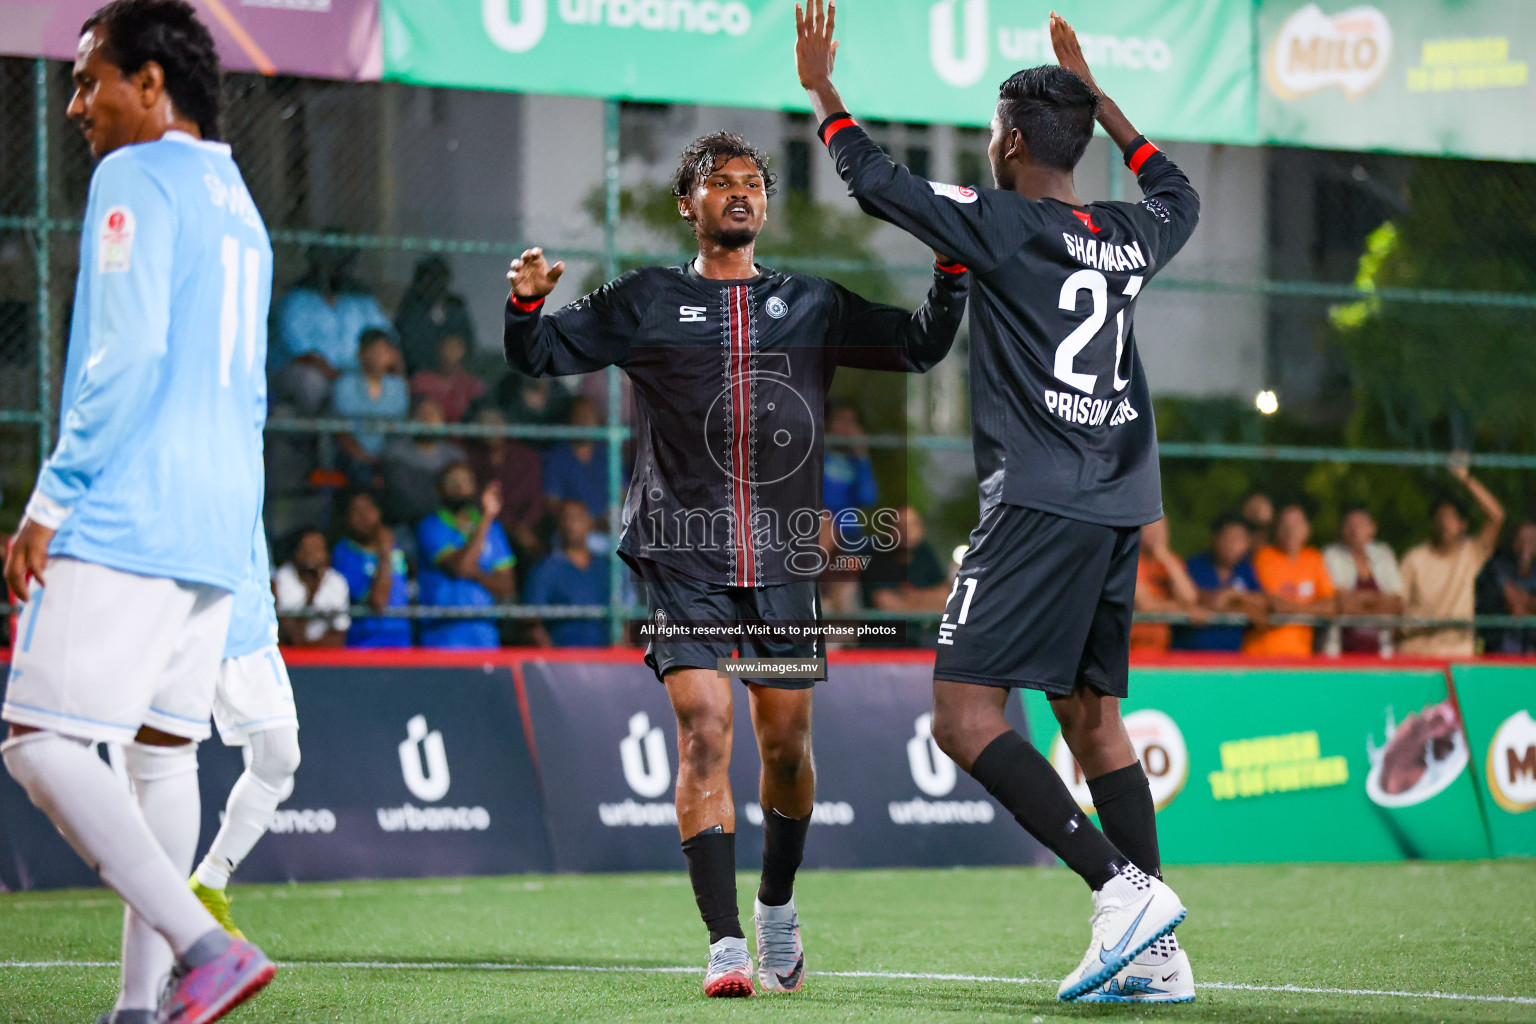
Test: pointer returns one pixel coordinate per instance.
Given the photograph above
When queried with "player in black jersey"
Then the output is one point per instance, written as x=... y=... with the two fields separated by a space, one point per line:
x=1066 y=456
x=730 y=363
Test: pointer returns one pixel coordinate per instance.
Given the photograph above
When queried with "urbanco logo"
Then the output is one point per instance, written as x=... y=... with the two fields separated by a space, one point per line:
x=424 y=761
x=963 y=68
x=518 y=36
x=932 y=770
x=643 y=754
x=1312 y=52
x=523 y=33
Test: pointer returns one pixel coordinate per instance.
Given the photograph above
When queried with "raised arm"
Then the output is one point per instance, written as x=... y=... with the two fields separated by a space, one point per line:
x=978 y=227
x=1493 y=511
x=874 y=336
x=1168 y=196
x=589 y=334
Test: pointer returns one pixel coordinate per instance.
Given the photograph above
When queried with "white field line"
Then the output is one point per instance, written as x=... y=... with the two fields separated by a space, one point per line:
x=448 y=965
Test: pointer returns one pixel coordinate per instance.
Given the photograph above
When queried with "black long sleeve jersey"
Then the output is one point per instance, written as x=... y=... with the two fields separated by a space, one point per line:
x=1062 y=417
x=730 y=382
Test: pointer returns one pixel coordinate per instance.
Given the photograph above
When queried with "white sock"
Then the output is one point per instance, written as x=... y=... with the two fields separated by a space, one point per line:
x=99 y=818
x=165 y=784
x=266 y=782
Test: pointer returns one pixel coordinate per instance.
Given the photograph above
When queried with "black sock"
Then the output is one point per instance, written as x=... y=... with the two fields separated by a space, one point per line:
x=712 y=870
x=1023 y=781
x=1123 y=799
x=783 y=848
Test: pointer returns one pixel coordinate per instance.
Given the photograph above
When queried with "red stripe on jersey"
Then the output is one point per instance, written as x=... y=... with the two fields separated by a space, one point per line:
x=951 y=268
x=527 y=305
x=837 y=126
x=741 y=414
x=1141 y=156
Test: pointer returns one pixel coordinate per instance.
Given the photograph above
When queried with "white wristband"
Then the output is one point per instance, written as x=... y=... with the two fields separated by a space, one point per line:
x=46 y=512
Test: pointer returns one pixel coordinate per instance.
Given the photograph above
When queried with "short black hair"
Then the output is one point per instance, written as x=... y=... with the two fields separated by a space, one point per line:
x=707 y=153
x=1351 y=509
x=1300 y=504
x=1457 y=505
x=448 y=470
x=351 y=494
x=169 y=33
x=371 y=335
x=1225 y=520
x=1053 y=109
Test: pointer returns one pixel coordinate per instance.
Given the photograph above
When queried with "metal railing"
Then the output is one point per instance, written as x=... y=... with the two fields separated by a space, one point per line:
x=42 y=226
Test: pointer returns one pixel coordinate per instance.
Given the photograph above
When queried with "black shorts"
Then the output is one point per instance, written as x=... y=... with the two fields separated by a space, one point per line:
x=678 y=600
x=1043 y=602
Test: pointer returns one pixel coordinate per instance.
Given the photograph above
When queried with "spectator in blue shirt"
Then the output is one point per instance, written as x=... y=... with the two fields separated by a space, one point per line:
x=578 y=470
x=466 y=561
x=375 y=570
x=1227 y=583
x=319 y=323
x=848 y=478
x=374 y=391
x=571 y=575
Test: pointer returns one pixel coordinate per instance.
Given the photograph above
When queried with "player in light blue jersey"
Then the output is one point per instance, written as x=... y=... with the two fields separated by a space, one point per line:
x=253 y=708
x=140 y=526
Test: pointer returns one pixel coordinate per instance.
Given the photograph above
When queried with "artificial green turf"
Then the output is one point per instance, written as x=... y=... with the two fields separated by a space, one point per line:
x=1454 y=928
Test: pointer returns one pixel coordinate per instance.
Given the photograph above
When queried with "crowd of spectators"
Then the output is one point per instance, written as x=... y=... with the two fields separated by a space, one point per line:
x=1262 y=565
x=422 y=519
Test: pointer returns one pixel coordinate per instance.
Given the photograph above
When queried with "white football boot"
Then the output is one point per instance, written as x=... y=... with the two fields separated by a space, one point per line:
x=780 y=954
x=1132 y=911
x=1160 y=974
x=729 y=973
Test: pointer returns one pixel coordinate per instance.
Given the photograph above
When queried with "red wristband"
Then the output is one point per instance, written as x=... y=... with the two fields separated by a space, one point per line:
x=951 y=268
x=527 y=305
x=836 y=126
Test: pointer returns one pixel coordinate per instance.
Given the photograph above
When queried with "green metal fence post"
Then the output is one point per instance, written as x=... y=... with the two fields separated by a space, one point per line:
x=44 y=268
x=615 y=394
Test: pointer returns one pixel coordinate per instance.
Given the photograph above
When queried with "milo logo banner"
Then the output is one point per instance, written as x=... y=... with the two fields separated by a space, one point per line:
x=1418 y=76
x=1499 y=703
x=1269 y=765
x=606 y=743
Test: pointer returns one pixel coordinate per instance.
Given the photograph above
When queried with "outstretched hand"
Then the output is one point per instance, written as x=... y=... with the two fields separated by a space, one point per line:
x=532 y=276
x=815 y=49
x=1069 y=53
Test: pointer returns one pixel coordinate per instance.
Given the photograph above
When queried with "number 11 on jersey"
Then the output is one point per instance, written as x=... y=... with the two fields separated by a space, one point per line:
x=240 y=292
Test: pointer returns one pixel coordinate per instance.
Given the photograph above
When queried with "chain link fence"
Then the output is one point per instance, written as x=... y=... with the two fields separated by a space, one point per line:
x=1389 y=302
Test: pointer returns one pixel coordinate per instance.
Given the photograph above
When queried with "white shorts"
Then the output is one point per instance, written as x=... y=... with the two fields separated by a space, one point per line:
x=253 y=695
x=102 y=652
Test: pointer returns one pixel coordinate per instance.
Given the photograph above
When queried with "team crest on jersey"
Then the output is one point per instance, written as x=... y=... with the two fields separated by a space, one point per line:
x=959 y=193
x=776 y=307
x=114 y=252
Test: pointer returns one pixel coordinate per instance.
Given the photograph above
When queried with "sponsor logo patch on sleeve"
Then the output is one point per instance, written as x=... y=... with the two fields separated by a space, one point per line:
x=114 y=250
x=959 y=193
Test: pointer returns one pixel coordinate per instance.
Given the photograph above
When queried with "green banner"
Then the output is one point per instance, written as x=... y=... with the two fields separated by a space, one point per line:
x=1256 y=765
x=1182 y=69
x=1447 y=77
x=1498 y=703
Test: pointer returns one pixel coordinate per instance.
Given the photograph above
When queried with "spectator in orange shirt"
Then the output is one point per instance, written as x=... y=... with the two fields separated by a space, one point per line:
x=1162 y=585
x=1297 y=582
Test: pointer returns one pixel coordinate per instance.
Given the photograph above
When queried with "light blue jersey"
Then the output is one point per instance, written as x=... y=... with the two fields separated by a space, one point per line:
x=253 y=620
x=158 y=466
